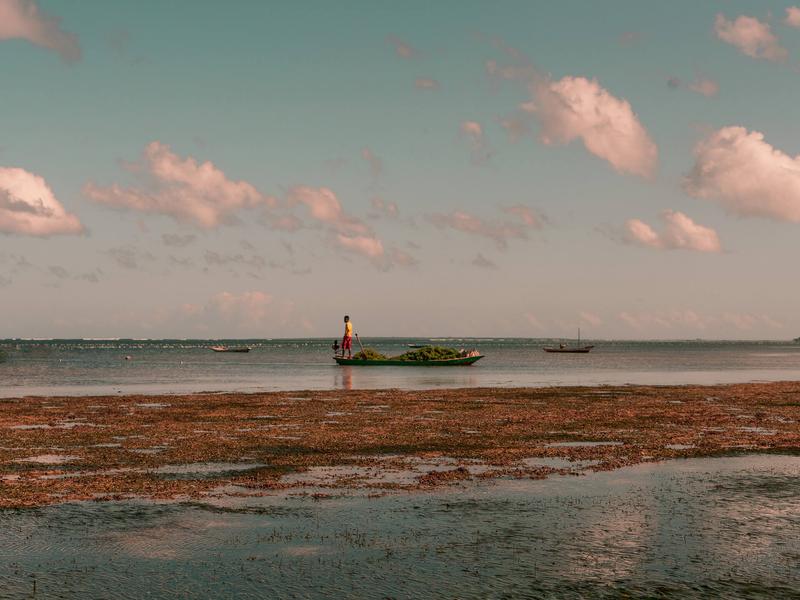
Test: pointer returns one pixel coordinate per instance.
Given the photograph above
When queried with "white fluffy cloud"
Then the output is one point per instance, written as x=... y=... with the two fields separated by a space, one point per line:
x=189 y=191
x=680 y=232
x=752 y=37
x=29 y=207
x=578 y=108
x=22 y=19
x=745 y=174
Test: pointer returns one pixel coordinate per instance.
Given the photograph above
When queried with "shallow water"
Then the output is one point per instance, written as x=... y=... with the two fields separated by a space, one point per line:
x=685 y=528
x=173 y=366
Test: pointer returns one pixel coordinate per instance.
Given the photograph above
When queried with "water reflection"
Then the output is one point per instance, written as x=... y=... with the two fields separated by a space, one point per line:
x=344 y=378
x=675 y=529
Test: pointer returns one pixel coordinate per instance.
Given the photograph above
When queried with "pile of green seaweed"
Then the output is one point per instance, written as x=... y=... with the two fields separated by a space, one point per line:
x=423 y=354
x=369 y=354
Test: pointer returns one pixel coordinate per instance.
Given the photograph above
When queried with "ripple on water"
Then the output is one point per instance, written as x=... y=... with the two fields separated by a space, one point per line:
x=724 y=527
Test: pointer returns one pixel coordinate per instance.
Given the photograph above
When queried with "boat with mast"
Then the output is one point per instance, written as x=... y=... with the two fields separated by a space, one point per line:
x=567 y=349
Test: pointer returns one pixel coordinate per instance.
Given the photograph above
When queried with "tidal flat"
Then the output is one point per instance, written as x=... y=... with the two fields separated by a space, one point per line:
x=375 y=442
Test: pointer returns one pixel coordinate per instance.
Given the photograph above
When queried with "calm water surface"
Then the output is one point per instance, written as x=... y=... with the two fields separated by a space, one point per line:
x=169 y=366
x=721 y=527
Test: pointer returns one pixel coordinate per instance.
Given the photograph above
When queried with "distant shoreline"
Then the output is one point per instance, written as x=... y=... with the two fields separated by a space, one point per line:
x=56 y=449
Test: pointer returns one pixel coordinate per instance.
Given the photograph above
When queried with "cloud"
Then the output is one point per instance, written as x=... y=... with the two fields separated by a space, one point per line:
x=747 y=321
x=382 y=208
x=129 y=257
x=62 y=273
x=368 y=246
x=423 y=83
x=348 y=233
x=176 y=240
x=591 y=318
x=533 y=321
x=752 y=37
x=216 y=259
x=704 y=86
x=29 y=207
x=701 y=84
x=482 y=262
x=375 y=163
x=680 y=232
x=324 y=207
x=792 y=17
x=745 y=174
x=401 y=258
x=527 y=216
x=579 y=108
x=23 y=20
x=472 y=132
x=691 y=319
x=465 y=222
x=516 y=126
x=245 y=309
x=196 y=193
x=666 y=319
x=402 y=49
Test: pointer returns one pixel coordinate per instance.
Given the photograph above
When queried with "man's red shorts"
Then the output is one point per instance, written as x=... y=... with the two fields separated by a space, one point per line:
x=347 y=343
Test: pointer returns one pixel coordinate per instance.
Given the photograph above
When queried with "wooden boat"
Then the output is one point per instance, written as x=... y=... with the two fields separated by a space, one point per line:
x=230 y=349
x=417 y=345
x=565 y=349
x=568 y=349
x=461 y=361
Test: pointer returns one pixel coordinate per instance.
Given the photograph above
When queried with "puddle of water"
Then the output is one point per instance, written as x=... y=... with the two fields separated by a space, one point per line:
x=693 y=528
x=206 y=468
x=558 y=463
x=152 y=450
x=758 y=430
x=578 y=444
x=49 y=459
x=679 y=446
x=152 y=405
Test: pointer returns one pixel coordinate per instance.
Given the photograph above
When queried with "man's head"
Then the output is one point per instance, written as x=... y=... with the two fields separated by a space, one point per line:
x=346 y=318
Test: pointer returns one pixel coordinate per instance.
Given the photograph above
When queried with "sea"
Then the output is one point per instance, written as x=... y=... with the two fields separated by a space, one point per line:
x=127 y=366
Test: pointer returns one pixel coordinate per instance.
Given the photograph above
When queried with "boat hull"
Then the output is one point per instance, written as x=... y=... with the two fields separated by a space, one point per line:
x=584 y=350
x=451 y=362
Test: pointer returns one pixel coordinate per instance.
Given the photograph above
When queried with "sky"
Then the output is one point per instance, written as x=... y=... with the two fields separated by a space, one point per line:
x=200 y=169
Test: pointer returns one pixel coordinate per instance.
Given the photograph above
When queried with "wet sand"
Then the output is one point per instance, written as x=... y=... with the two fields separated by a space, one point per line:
x=196 y=446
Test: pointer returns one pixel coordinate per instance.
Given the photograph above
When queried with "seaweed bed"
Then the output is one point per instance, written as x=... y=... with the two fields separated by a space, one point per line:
x=114 y=447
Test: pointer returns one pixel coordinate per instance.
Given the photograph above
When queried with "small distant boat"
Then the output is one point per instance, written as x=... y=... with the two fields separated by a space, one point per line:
x=417 y=345
x=566 y=349
x=230 y=348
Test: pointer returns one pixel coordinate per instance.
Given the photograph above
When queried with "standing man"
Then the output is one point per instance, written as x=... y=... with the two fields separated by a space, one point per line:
x=347 y=340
